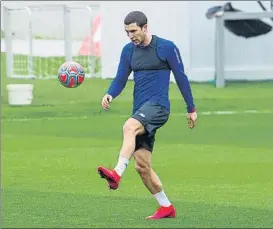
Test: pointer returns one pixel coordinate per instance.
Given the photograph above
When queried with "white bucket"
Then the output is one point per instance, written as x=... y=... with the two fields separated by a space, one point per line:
x=20 y=94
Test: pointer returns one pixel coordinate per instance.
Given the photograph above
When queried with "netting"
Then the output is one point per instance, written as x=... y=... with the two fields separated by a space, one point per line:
x=48 y=36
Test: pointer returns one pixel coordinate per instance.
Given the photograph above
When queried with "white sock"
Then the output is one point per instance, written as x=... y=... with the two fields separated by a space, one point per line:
x=121 y=165
x=162 y=199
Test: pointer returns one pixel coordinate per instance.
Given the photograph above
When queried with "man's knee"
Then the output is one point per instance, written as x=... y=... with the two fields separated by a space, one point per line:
x=133 y=126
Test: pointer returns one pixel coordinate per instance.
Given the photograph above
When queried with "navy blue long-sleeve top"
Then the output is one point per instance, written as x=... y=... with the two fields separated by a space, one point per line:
x=152 y=65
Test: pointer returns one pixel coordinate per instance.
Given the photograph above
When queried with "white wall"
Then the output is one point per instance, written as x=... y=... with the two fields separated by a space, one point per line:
x=244 y=57
x=49 y=21
x=161 y=17
x=185 y=23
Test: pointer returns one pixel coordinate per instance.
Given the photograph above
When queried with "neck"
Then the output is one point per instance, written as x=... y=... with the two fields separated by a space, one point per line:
x=147 y=40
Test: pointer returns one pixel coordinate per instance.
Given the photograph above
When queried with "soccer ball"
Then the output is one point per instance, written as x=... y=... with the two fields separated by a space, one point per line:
x=71 y=74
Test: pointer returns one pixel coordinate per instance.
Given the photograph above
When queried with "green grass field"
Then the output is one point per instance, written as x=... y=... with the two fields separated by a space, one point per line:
x=217 y=175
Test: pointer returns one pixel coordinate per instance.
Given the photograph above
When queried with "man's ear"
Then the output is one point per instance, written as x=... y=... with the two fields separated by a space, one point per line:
x=145 y=28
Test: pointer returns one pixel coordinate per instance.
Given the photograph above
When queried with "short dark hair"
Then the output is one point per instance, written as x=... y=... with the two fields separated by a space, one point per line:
x=137 y=17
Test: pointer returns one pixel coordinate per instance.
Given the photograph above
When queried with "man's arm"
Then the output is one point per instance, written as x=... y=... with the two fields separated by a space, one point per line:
x=175 y=61
x=122 y=75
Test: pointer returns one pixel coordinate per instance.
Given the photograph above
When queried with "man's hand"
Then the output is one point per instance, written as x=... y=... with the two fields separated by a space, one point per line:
x=106 y=100
x=192 y=117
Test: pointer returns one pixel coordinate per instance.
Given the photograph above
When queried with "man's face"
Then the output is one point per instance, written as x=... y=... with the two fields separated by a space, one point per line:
x=135 y=33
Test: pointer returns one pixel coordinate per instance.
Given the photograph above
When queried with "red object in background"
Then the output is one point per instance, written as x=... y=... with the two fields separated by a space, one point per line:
x=93 y=38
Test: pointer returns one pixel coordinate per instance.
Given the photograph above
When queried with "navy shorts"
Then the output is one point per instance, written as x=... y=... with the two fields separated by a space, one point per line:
x=152 y=116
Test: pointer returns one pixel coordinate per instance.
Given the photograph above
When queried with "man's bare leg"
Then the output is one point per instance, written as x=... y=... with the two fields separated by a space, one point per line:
x=153 y=184
x=131 y=129
x=149 y=177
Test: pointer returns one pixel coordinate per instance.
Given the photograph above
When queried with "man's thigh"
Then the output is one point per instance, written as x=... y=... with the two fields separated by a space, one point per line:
x=143 y=157
x=145 y=141
x=152 y=116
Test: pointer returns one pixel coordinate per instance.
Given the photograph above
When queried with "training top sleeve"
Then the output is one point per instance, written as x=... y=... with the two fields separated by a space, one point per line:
x=122 y=75
x=175 y=62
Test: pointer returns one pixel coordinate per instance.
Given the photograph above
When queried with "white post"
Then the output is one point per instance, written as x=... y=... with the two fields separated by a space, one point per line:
x=8 y=42
x=91 y=59
x=219 y=52
x=67 y=34
x=30 y=43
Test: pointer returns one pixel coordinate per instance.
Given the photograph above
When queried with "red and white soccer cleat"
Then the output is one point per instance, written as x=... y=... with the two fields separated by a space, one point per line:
x=163 y=212
x=111 y=176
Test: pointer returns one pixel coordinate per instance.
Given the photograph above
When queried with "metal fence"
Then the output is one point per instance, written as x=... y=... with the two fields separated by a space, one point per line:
x=46 y=36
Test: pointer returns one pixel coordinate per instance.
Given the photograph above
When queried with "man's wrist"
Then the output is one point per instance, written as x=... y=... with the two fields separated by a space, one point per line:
x=191 y=109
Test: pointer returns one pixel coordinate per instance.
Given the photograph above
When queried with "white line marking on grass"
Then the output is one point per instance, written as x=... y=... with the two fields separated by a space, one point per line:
x=204 y=113
x=43 y=118
x=209 y=113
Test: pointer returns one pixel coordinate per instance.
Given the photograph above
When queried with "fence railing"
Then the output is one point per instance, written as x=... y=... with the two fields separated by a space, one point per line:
x=48 y=35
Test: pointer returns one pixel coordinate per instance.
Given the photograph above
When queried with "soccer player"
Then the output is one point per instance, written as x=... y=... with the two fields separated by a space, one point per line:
x=151 y=59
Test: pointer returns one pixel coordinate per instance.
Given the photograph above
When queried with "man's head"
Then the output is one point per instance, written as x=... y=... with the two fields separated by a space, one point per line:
x=136 y=26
